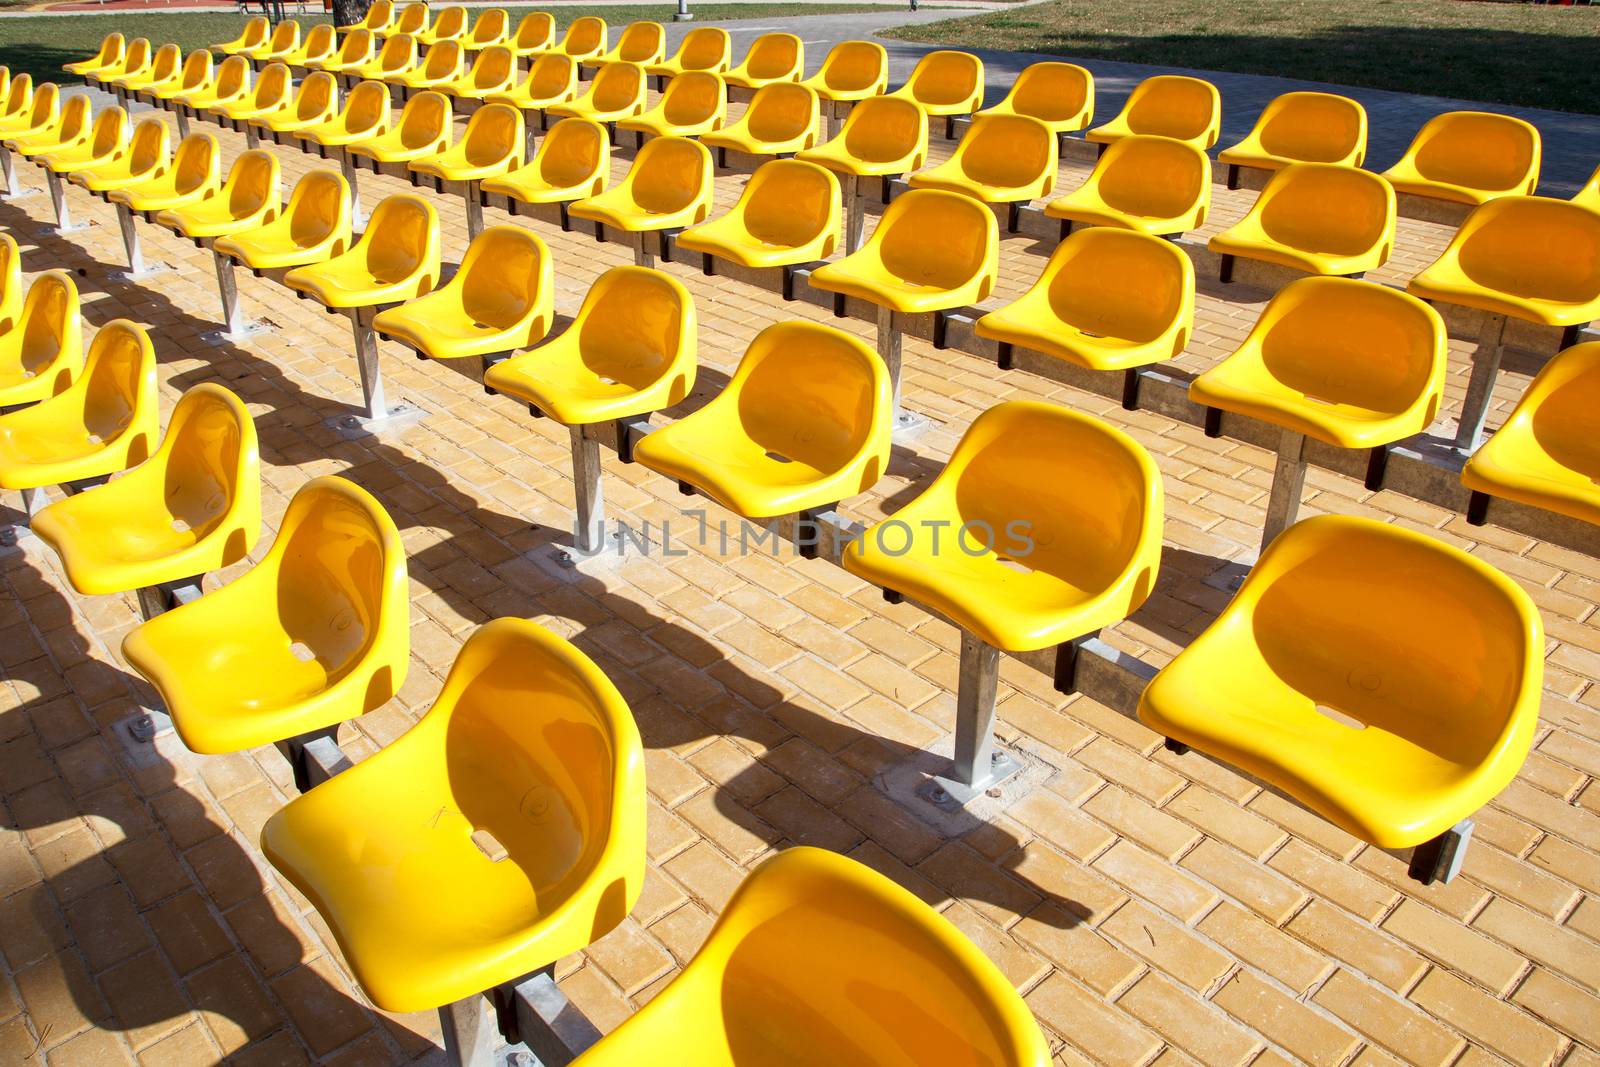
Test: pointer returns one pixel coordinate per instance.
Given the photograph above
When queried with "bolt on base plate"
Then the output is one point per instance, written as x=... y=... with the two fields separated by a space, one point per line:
x=399 y=416
x=219 y=337
x=950 y=793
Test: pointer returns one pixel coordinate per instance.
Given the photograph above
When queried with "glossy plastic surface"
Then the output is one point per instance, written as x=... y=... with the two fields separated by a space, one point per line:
x=1001 y=159
x=443 y=64
x=491 y=145
x=423 y=131
x=787 y=214
x=643 y=44
x=364 y=117
x=852 y=70
x=668 y=187
x=883 y=135
x=1060 y=95
x=315 y=102
x=1155 y=185
x=1470 y=157
x=573 y=162
x=782 y=117
x=553 y=79
x=195 y=175
x=314 y=227
x=320 y=42
x=1322 y=218
x=450 y=25
x=1303 y=128
x=250 y=198
x=617 y=92
x=356 y=48
x=585 y=38
x=41 y=346
x=706 y=48
x=945 y=83
x=1386 y=680
x=1167 y=105
x=534 y=34
x=254 y=33
x=69 y=129
x=692 y=104
x=148 y=154
x=108 y=54
x=397 y=258
x=493 y=71
x=773 y=57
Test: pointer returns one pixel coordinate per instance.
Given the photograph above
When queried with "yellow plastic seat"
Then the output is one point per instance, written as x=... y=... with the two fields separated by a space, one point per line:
x=782 y=118
x=642 y=44
x=378 y=19
x=491 y=146
x=411 y=19
x=692 y=104
x=1340 y=673
x=945 y=84
x=536 y=33
x=315 y=226
x=41 y=348
x=1469 y=157
x=270 y=95
x=617 y=92
x=423 y=131
x=315 y=102
x=668 y=187
x=450 y=25
x=851 y=71
x=629 y=351
x=787 y=214
x=148 y=154
x=553 y=79
x=1167 y=105
x=585 y=38
x=364 y=117
x=530 y=751
x=195 y=75
x=1301 y=128
x=380 y=16
x=109 y=54
x=314 y=635
x=195 y=175
x=1064 y=514
x=1060 y=95
x=106 y=421
x=883 y=135
x=396 y=259
x=1108 y=299
x=443 y=64
x=41 y=114
x=804 y=423
x=69 y=129
x=494 y=70
x=18 y=99
x=1350 y=364
x=253 y=35
x=249 y=199
x=284 y=39
x=107 y=138
x=398 y=56
x=1001 y=159
x=1323 y=218
x=773 y=57
x=1589 y=195
x=319 y=43
x=357 y=48
x=11 y=297
x=191 y=508
x=1528 y=257
x=778 y=982
x=573 y=162
x=931 y=251
x=1547 y=454
x=166 y=66
x=491 y=28
x=136 y=60
x=706 y=48
x=232 y=82
x=502 y=299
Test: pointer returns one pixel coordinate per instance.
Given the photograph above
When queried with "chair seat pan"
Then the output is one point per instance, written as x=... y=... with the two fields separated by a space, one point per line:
x=737 y=472
x=212 y=218
x=1240 y=384
x=1094 y=211
x=452 y=170
x=622 y=213
x=1251 y=242
x=270 y=254
x=952 y=179
x=439 y=328
x=340 y=287
x=832 y=155
x=727 y=238
x=1017 y=325
x=887 y=290
x=54 y=455
x=558 y=381
x=531 y=188
x=109 y=545
x=1452 y=286
x=751 y=145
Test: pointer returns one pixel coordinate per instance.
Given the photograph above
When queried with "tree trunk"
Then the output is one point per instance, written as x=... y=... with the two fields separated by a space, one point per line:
x=349 y=12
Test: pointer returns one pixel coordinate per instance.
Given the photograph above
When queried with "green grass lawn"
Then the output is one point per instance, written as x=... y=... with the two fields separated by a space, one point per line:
x=1505 y=53
x=40 y=45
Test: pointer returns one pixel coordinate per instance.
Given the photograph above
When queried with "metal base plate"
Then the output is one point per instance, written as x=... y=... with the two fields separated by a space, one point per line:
x=400 y=416
x=950 y=793
x=1231 y=574
x=150 y=271
x=61 y=231
x=218 y=338
x=909 y=425
x=21 y=194
x=145 y=736
x=911 y=784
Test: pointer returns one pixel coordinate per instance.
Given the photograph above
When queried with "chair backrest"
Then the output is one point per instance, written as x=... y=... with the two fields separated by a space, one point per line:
x=413 y=19
x=402 y=234
x=150 y=145
x=318 y=206
x=1052 y=92
x=1327 y=208
x=946 y=78
x=111 y=50
x=490 y=27
x=669 y=173
x=137 y=57
x=110 y=131
x=706 y=48
x=493 y=135
x=1314 y=128
x=939 y=238
x=693 y=97
x=253 y=181
x=399 y=53
x=10 y=281
x=285 y=36
x=502 y=276
x=196 y=70
x=45 y=108
x=536 y=30
x=1589 y=195
x=1479 y=150
x=378 y=16
x=451 y=23
x=573 y=152
x=855 y=66
x=1149 y=175
x=789 y=202
x=444 y=61
x=213 y=467
x=553 y=74
x=884 y=128
x=1172 y=105
x=812 y=393
x=357 y=48
x=272 y=87
x=494 y=68
x=618 y=87
x=196 y=163
x=1121 y=283
x=367 y=107
x=775 y=55
x=781 y=111
x=1532 y=247
x=425 y=118
x=644 y=320
x=19 y=94
x=233 y=77
x=116 y=392
x=167 y=63
x=586 y=36
x=321 y=39
x=1007 y=150
x=642 y=42
x=49 y=321
x=74 y=121
x=255 y=32
x=316 y=95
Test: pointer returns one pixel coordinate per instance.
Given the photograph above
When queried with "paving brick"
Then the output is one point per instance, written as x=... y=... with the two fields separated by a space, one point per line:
x=145 y=999
x=1541 y=940
x=1086 y=1022
x=1437 y=937
x=1161 y=885
x=324 y=1016
x=1307 y=1034
x=1133 y=818
x=1392 y=1023
x=1266 y=894
x=1363 y=948
x=1168 y=947
x=1188 y=1022
x=1343 y=884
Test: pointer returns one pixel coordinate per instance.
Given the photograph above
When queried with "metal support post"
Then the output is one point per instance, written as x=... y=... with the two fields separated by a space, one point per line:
x=470 y=1034
x=1480 y=387
x=641 y=250
x=979 y=766
x=372 y=399
x=235 y=327
x=854 y=213
x=58 y=198
x=252 y=136
x=1440 y=859
x=8 y=165
x=889 y=345
x=589 y=527
x=1288 y=481
x=158 y=599
x=182 y=114
x=314 y=757
x=474 y=199
x=347 y=165
x=137 y=269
